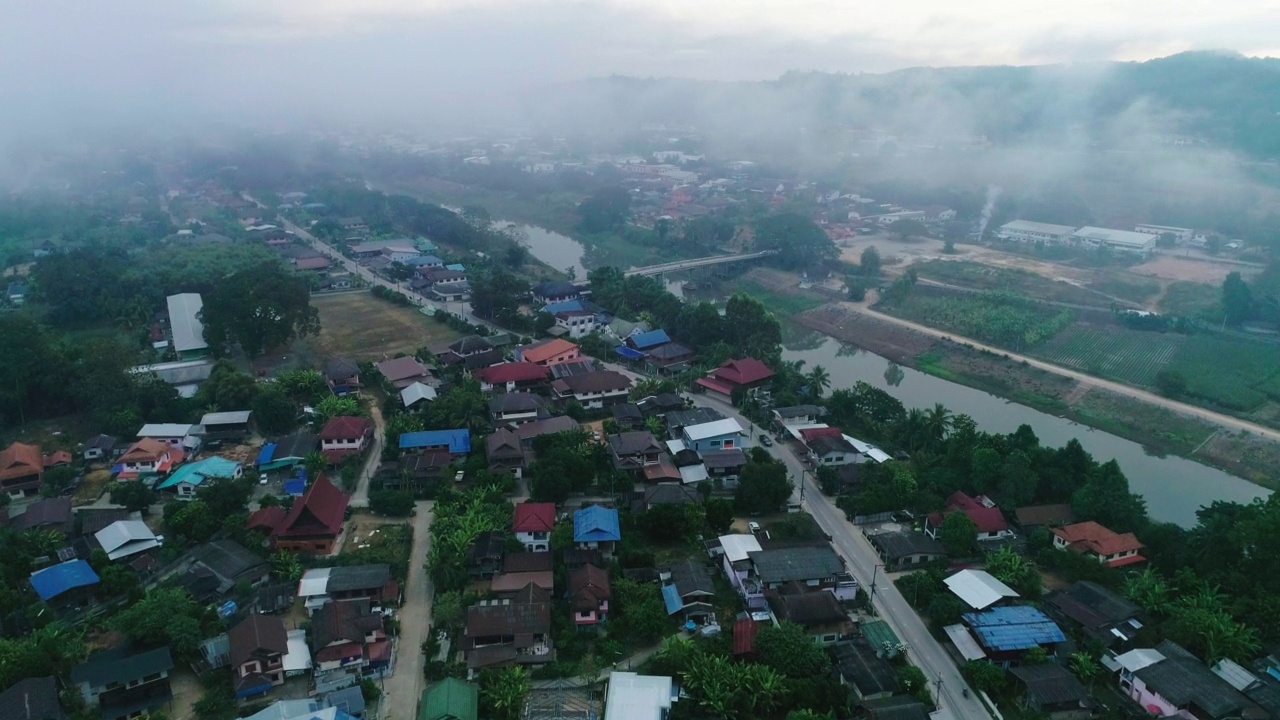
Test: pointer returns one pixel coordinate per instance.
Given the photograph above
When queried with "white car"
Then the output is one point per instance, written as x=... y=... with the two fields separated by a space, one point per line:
x=262 y=479
x=754 y=527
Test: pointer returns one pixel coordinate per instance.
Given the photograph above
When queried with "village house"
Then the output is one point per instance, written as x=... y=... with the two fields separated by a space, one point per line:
x=188 y=479
x=21 y=470
x=404 y=371
x=1100 y=543
x=548 y=352
x=819 y=614
x=373 y=582
x=594 y=389
x=576 y=323
x=589 y=596
x=229 y=563
x=864 y=669
x=521 y=570
x=1007 y=632
x=724 y=434
x=503 y=632
x=348 y=642
x=33 y=698
x=744 y=374
x=554 y=291
x=735 y=552
x=831 y=450
x=639 y=697
x=596 y=528
x=64 y=584
x=232 y=425
x=45 y=514
x=669 y=359
x=803 y=569
x=627 y=416
x=124 y=681
x=126 y=538
x=503 y=451
x=678 y=420
x=258 y=646
x=344 y=435
x=512 y=377
x=100 y=447
x=148 y=456
x=687 y=589
x=311 y=526
x=978 y=589
x=484 y=557
x=1052 y=690
x=796 y=415
x=450 y=699
x=644 y=342
x=342 y=375
x=724 y=466
x=456 y=441
x=1168 y=681
x=633 y=451
x=549 y=426
x=532 y=525
x=981 y=510
x=1103 y=615
x=903 y=549
x=510 y=409
x=417 y=392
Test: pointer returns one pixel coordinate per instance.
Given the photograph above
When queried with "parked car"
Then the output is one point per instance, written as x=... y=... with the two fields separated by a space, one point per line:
x=754 y=527
x=766 y=441
x=262 y=479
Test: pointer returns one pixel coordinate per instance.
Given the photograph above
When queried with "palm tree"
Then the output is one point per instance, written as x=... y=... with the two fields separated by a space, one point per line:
x=819 y=381
x=938 y=420
x=505 y=692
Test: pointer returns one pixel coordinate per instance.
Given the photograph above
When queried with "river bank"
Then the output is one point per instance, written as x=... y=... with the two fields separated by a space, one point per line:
x=1159 y=430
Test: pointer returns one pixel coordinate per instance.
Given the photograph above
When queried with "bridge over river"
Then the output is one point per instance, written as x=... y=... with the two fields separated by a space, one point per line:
x=698 y=263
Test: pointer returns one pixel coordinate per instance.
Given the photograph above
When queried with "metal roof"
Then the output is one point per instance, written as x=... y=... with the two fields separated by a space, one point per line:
x=1017 y=627
x=881 y=637
x=715 y=428
x=188 y=331
x=796 y=563
x=123 y=538
x=1049 y=684
x=638 y=697
x=458 y=440
x=964 y=642
x=57 y=579
x=596 y=524
x=417 y=392
x=231 y=417
x=738 y=547
x=978 y=588
x=314 y=582
x=165 y=430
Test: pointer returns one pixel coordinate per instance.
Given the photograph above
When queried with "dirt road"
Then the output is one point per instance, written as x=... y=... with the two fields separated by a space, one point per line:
x=360 y=498
x=1085 y=379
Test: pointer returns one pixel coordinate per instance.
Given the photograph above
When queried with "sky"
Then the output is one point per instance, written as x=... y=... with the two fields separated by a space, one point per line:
x=65 y=62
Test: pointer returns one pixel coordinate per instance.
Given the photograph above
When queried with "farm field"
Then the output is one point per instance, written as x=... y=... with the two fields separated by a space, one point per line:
x=1095 y=288
x=1191 y=299
x=1234 y=373
x=359 y=326
x=1005 y=319
x=1113 y=352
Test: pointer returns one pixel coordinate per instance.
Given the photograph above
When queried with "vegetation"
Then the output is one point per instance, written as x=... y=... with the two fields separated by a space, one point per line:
x=1000 y=318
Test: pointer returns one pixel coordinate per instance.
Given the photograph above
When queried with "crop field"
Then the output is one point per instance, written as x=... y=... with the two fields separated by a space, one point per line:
x=1004 y=319
x=1113 y=352
x=359 y=326
x=1235 y=373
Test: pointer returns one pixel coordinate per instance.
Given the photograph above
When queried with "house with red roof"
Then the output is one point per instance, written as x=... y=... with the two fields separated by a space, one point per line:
x=313 y=524
x=1099 y=542
x=732 y=374
x=512 y=377
x=21 y=469
x=533 y=525
x=982 y=510
x=344 y=435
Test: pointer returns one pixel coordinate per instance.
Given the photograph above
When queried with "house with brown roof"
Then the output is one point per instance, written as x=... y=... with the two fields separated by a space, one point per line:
x=589 y=596
x=1099 y=542
x=311 y=526
x=21 y=469
x=148 y=456
x=342 y=374
x=258 y=645
x=46 y=514
x=522 y=569
x=548 y=352
x=500 y=633
x=731 y=375
x=984 y=513
x=594 y=389
x=502 y=450
x=1031 y=516
x=344 y=435
x=347 y=642
x=818 y=613
x=634 y=451
x=404 y=371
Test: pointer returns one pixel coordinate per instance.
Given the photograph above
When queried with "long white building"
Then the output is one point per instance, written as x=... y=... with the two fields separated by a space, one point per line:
x=1126 y=241
x=1027 y=231
x=1181 y=234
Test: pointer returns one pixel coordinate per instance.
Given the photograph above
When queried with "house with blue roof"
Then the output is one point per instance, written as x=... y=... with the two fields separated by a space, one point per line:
x=563 y=306
x=1006 y=633
x=596 y=527
x=58 y=581
x=456 y=267
x=456 y=441
x=187 y=479
x=648 y=340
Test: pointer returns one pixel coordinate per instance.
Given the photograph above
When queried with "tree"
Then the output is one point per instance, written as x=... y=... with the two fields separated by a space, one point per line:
x=869 y=262
x=1014 y=570
x=306 y=387
x=286 y=565
x=227 y=388
x=912 y=680
x=1084 y=666
x=819 y=381
x=749 y=329
x=166 y=616
x=985 y=676
x=643 y=617
x=1171 y=383
x=762 y=488
x=958 y=534
x=56 y=480
x=606 y=210
x=908 y=228
x=503 y=693
x=1105 y=498
x=788 y=649
x=719 y=515
x=799 y=241
x=1237 y=300
x=333 y=406
x=259 y=308
x=134 y=496
x=273 y=411
x=938 y=420
x=856 y=287
x=392 y=503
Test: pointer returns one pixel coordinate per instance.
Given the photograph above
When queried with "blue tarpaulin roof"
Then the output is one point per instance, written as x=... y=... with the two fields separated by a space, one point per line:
x=628 y=353
x=264 y=456
x=650 y=339
x=1016 y=627
x=671 y=598
x=596 y=524
x=295 y=486
x=457 y=440
x=53 y=581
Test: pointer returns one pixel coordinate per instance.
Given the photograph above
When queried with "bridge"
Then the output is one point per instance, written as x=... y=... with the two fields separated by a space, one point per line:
x=698 y=263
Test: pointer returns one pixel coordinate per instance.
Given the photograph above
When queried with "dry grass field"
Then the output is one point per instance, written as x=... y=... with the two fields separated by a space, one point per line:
x=359 y=326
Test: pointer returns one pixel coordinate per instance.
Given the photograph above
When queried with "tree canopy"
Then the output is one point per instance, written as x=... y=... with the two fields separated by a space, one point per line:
x=258 y=308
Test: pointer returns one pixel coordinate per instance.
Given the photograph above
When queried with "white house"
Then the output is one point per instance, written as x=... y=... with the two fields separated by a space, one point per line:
x=1125 y=241
x=577 y=322
x=1026 y=231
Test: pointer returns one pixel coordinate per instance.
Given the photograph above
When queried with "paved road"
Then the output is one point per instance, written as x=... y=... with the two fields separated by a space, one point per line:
x=402 y=690
x=1083 y=378
x=862 y=559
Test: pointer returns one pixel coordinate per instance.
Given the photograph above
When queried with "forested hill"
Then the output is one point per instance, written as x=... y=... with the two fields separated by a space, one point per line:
x=1219 y=99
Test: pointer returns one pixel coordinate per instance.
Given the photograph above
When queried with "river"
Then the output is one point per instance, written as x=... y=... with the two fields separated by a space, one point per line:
x=1174 y=487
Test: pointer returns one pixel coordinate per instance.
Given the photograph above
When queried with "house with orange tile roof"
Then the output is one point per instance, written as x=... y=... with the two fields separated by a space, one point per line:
x=148 y=456
x=1099 y=542
x=548 y=352
x=21 y=469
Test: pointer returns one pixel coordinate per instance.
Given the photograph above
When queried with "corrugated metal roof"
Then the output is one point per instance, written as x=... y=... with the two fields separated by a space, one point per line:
x=978 y=588
x=964 y=642
x=188 y=331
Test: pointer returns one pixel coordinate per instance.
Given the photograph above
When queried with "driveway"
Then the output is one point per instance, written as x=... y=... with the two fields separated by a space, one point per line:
x=401 y=691
x=360 y=498
x=923 y=649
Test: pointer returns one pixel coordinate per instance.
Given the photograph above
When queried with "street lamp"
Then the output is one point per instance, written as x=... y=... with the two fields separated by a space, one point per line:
x=872 y=594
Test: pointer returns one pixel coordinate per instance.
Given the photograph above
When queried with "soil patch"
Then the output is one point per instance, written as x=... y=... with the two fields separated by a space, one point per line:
x=878 y=336
x=1170 y=267
x=359 y=326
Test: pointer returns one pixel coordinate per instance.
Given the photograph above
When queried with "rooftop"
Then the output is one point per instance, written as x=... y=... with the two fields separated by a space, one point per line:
x=458 y=440
x=57 y=579
x=121 y=664
x=715 y=428
x=796 y=563
x=596 y=524
x=638 y=697
x=1013 y=627
x=184 y=320
x=978 y=588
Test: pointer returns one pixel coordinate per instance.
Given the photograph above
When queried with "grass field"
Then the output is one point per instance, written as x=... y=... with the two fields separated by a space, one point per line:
x=1191 y=299
x=1234 y=373
x=359 y=326
x=1113 y=352
x=1106 y=284
x=777 y=301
